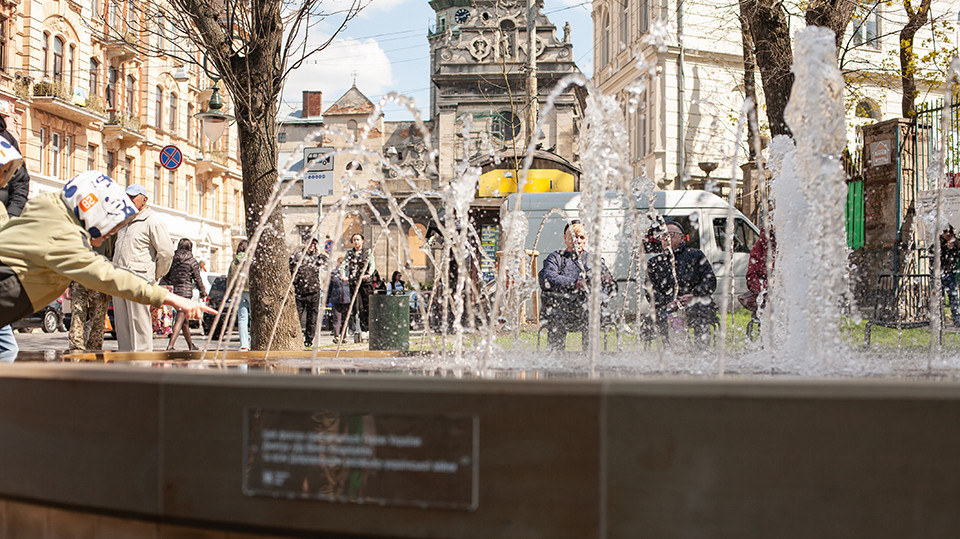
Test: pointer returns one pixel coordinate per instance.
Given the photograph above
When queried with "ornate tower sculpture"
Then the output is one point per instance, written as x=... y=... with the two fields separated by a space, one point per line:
x=479 y=72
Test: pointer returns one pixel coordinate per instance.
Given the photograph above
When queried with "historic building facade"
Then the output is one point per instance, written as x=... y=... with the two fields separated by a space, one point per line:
x=79 y=93
x=677 y=67
x=392 y=166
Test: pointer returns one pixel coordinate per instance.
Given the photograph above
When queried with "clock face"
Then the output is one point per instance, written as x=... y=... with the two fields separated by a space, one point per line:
x=461 y=15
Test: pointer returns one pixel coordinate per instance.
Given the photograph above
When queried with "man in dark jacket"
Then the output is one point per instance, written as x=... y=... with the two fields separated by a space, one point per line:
x=683 y=280
x=306 y=286
x=565 y=283
x=14 y=194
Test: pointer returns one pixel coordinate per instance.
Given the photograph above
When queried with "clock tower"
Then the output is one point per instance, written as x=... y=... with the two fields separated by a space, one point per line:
x=479 y=56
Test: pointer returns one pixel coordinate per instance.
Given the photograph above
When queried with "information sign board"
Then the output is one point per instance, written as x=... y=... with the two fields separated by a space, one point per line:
x=317 y=172
x=423 y=460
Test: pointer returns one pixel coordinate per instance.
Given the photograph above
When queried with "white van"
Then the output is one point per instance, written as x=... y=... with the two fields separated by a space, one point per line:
x=703 y=215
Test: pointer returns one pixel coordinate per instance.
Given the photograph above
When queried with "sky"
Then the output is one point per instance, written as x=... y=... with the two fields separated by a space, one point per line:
x=385 y=48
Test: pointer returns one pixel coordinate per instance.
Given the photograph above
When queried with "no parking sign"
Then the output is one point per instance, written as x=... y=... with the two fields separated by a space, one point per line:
x=171 y=157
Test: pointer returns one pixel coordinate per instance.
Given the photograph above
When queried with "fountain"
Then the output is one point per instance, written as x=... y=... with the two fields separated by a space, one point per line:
x=484 y=441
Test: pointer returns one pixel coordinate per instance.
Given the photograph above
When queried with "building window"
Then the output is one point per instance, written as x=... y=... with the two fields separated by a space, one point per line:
x=68 y=157
x=132 y=12
x=604 y=39
x=641 y=127
x=91 y=157
x=112 y=164
x=644 y=17
x=55 y=155
x=624 y=24
x=128 y=170
x=189 y=121
x=131 y=94
x=173 y=112
x=161 y=34
x=113 y=13
x=505 y=126
x=3 y=43
x=282 y=135
x=70 y=59
x=45 y=51
x=57 y=59
x=94 y=77
x=868 y=109
x=159 y=105
x=171 y=184
x=201 y=200
x=112 y=77
x=43 y=151
x=866 y=23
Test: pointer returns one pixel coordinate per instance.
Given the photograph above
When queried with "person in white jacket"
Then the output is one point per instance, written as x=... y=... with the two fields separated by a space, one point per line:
x=144 y=248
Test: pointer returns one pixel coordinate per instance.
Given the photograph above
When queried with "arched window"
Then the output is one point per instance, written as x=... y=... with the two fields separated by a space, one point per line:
x=173 y=112
x=131 y=94
x=866 y=108
x=624 y=24
x=158 y=103
x=604 y=39
x=354 y=166
x=352 y=127
x=58 y=59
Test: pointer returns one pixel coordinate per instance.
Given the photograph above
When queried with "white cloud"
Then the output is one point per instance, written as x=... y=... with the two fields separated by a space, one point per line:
x=332 y=72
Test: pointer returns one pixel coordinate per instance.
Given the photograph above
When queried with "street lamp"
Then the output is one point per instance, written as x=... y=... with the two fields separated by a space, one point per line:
x=214 y=121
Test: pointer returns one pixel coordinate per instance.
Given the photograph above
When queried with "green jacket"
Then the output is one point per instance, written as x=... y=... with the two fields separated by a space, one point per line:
x=46 y=247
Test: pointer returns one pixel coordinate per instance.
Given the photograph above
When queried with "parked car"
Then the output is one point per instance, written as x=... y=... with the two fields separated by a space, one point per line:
x=49 y=319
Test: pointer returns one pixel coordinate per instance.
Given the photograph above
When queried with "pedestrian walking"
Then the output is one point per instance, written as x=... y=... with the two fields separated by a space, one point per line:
x=305 y=268
x=360 y=266
x=184 y=274
x=144 y=248
x=243 y=310
x=338 y=295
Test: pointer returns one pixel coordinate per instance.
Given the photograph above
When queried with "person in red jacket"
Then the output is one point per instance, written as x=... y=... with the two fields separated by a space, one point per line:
x=757 y=277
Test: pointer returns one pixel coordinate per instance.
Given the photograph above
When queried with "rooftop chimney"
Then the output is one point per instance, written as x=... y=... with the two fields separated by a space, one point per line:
x=312 y=103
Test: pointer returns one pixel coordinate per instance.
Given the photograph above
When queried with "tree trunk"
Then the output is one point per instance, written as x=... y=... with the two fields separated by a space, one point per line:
x=915 y=20
x=270 y=271
x=749 y=79
x=774 y=54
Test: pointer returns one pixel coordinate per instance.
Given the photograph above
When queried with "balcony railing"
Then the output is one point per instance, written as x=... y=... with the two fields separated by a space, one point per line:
x=124 y=120
x=58 y=98
x=53 y=89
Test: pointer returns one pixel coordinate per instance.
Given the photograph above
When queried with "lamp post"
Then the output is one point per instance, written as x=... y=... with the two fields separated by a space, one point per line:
x=214 y=121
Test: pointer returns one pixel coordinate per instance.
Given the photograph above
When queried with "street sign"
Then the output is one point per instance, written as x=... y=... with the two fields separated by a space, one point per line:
x=171 y=157
x=318 y=172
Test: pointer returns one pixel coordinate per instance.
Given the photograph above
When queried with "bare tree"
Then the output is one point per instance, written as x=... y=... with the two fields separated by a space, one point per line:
x=251 y=46
x=768 y=23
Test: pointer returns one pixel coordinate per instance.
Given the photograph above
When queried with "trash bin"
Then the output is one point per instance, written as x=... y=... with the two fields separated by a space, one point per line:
x=389 y=322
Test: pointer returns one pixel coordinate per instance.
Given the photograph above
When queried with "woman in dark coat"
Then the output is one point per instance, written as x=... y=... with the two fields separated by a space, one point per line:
x=338 y=296
x=183 y=275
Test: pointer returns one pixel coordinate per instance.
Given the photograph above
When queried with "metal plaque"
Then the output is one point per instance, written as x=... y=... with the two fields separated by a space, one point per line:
x=399 y=459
